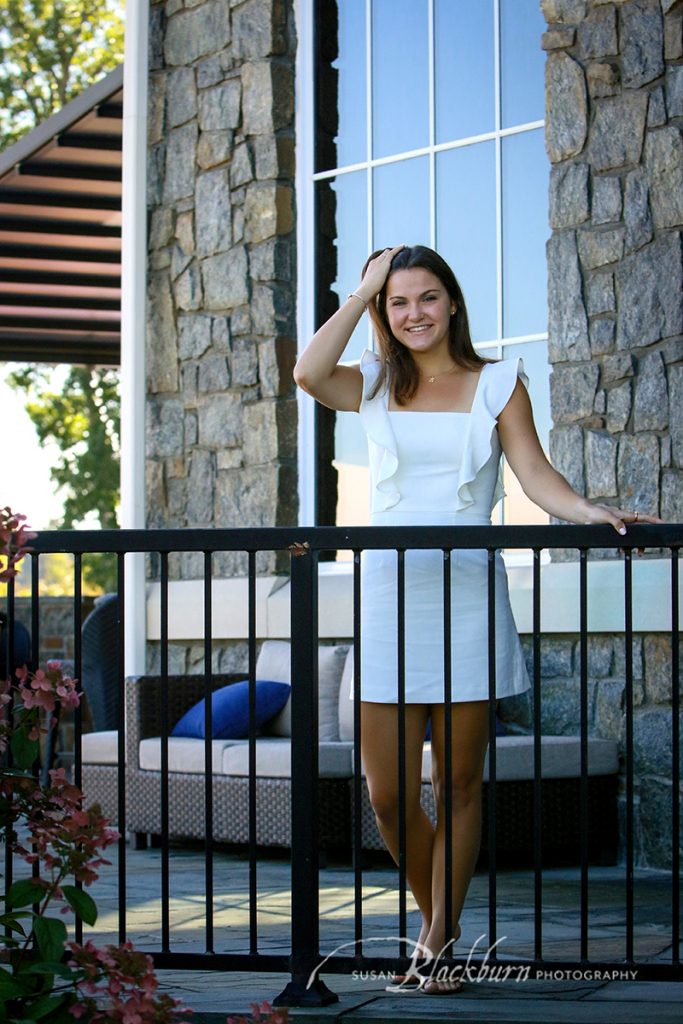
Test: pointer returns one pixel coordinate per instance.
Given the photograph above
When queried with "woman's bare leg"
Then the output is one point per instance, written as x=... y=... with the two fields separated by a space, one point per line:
x=469 y=740
x=379 y=749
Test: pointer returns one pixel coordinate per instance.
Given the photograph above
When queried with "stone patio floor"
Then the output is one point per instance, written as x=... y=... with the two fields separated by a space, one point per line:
x=583 y=998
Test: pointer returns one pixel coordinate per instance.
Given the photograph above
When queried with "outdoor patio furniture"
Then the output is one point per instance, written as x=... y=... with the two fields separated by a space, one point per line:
x=146 y=695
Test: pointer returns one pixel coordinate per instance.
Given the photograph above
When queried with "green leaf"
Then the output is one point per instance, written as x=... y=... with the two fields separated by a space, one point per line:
x=24 y=750
x=23 y=893
x=45 y=1005
x=10 y=922
x=9 y=986
x=51 y=936
x=82 y=904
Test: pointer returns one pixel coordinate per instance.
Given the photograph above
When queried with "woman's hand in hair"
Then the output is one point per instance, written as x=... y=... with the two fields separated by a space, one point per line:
x=375 y=273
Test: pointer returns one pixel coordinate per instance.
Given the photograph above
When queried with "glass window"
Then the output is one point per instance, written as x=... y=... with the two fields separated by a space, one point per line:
x=466 y=229
x=464 y=86
x=400 y=83
x=525 y=230
x=400 y=206
x=351 y=66
x=535 y=356
x=346 y=246
x=481 y=204
x=522 y=62
x=517 y=508
x=353 y=477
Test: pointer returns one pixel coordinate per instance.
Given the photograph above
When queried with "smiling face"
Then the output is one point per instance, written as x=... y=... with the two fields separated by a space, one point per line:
x=418 y=309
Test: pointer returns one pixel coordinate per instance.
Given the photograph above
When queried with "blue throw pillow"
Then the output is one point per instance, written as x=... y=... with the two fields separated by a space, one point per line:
x=230 y=710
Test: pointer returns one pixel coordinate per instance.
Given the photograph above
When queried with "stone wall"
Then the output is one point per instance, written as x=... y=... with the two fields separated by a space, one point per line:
x=560 y=671
x=221 y=407
x=614 y=112
x=614 y=109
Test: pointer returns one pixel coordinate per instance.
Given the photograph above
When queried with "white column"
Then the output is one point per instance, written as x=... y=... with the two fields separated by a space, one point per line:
x=133 y=319
x=305 y=244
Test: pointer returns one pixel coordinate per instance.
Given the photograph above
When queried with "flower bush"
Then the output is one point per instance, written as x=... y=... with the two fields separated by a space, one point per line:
x=262 y=1013
x=44 y=977
x=14 y=537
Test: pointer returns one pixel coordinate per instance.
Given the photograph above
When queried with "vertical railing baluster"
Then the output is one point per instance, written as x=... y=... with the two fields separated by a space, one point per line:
x=305 y=817
x=253 y=809
x=538 y=758
x=9 y=866
x=208 y=751
x=35 y=611
x=448 y=741
x=35 y=662
x=630 y=789
x=675 y=763
x=357 y=766
x=493 y=887
x=121 y=739
x=583 y=730
x=78 y=720
x=78 y=667
x=401 y=766
x=165 y=781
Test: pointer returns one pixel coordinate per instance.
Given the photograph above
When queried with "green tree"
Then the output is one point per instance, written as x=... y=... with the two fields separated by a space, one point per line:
x=50 y=50
x=83 y=419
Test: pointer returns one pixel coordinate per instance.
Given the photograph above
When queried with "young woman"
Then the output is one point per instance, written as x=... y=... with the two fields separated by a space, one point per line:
x=438 y=417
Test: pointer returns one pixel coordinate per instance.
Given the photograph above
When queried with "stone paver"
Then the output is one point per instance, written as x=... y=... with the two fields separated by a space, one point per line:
x=589 y=1000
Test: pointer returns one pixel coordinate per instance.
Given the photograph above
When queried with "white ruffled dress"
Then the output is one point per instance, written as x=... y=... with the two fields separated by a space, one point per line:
x=434 y=469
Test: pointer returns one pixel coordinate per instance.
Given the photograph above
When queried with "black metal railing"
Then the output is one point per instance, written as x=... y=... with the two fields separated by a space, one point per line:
x=305 y=546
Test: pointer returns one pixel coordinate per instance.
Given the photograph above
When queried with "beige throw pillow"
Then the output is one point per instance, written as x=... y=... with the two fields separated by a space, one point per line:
x=274 y=663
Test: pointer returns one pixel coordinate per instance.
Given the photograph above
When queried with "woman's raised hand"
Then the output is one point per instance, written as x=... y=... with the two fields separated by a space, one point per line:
x=377 y=272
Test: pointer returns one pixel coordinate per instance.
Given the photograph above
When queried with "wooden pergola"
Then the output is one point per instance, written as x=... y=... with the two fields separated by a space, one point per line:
x=60 y=234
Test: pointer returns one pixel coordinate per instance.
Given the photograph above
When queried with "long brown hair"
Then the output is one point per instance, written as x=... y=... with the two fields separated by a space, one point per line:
x=398 y=368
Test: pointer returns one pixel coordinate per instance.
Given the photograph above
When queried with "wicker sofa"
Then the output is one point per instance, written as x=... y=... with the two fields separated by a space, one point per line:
x=560 y=791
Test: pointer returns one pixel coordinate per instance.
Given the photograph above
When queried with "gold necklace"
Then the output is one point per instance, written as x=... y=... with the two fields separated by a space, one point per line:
x=432 y=380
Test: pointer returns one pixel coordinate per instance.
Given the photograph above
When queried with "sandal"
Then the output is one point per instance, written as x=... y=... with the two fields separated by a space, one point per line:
x=419 y=979
x=404 y=983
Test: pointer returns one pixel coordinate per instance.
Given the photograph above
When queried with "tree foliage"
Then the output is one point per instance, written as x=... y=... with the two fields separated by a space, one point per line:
x=83 y=419
x=50 y=50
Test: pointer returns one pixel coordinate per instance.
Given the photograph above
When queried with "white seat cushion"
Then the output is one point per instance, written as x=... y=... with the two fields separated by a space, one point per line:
x=100 y=747
x=560 y=758
x=273 y=758
x=184 y=754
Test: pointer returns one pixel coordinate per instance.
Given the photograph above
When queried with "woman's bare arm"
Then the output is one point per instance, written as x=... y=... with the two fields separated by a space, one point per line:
x=317 y=370
x=540 y=481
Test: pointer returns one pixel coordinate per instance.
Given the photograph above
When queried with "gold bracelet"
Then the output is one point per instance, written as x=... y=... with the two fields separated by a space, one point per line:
x=355 y=295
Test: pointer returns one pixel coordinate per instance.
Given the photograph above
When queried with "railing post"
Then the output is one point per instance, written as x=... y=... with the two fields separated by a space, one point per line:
x=305 y=956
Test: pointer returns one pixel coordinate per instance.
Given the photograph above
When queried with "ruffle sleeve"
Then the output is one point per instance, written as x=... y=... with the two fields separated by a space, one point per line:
x=496 y=384
x=383 y=452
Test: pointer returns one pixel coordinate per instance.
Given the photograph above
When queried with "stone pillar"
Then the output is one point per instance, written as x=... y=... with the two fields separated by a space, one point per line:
x=614 y=101
x=221 y=433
